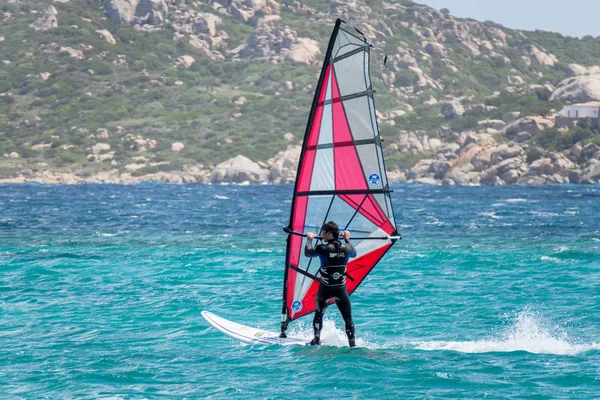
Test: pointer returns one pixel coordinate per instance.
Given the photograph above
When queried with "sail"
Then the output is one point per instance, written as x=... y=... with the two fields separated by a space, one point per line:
x=341 y=174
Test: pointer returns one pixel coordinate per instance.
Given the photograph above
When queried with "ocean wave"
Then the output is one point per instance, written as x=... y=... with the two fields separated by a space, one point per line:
x=544 y=214
x=101 y=234
x=527 y=333
x=553 y=259
x=488 y=214
x=260 y=250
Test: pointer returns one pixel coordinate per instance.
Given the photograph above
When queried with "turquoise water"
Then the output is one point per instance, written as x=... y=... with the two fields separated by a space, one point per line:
x=492 y=293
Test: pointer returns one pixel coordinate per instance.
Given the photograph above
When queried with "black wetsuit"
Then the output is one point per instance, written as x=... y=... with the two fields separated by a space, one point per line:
x=334 y=255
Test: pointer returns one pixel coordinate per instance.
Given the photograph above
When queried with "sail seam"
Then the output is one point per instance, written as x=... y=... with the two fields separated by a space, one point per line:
x=338 y=192
x=349 y=54
x=343 y=144
x=366 y=93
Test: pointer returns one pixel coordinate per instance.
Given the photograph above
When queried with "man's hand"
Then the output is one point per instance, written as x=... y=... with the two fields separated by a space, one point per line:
x=346 y=235
x=310 y=235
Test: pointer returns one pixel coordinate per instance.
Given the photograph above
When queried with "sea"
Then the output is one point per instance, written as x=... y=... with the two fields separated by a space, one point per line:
x=493 y=293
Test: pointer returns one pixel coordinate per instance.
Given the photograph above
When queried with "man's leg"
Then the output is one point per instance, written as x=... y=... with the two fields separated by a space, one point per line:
x=317 y=326
x=343 y=304
x=321 y=305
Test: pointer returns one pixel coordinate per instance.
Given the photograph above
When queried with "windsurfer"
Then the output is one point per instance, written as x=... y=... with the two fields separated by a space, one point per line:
x=333 y=255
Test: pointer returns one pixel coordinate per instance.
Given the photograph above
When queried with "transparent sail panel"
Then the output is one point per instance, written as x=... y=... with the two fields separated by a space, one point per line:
x=359 y=118
x=323 y=173
x=350 y=74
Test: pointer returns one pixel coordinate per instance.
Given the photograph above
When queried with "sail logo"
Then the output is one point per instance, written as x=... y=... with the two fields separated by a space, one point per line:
x=374 y=179
x=296 y=306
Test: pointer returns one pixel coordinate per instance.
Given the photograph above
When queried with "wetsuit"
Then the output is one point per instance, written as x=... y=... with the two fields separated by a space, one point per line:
x=334 y=255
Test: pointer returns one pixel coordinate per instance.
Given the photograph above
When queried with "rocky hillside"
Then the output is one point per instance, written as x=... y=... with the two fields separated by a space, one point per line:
x=130 y=90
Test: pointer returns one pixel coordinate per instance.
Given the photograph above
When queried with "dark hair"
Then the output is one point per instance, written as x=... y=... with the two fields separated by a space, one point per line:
x=332 y=228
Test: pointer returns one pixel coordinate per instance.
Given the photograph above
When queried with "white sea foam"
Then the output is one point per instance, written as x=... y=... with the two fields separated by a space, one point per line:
x=553 y=259
x=544 y=214
x=330 y=335
x=527 y=333
x=434 y=221
x=488 y=214
x=105 y=234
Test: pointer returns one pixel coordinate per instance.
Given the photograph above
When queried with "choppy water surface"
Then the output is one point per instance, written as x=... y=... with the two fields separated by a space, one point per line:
x=492 y=293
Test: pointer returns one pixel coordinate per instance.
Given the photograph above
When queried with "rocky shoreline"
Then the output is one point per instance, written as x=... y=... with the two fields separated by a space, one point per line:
x=238 y=170
x=476 y=159
x=494 y=148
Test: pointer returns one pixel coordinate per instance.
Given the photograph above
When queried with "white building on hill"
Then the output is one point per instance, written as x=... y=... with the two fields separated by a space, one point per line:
x=590 y=109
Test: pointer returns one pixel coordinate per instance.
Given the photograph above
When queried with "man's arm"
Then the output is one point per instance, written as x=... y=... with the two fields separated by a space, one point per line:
x=349 y=246
x=309 y=250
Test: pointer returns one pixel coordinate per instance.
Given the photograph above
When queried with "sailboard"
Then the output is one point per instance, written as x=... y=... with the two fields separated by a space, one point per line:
x=249 y=334
x=341 y=177
x=341 y=174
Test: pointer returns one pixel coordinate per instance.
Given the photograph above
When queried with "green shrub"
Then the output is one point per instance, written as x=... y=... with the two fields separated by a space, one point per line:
x=406 y=78
x=464 y=123
x=26 y=152
x=172 y=166
x=405 y=161
x=534 y=153
x=145 y=171
x=554 y=140
x=98 y=67
x=6 y=100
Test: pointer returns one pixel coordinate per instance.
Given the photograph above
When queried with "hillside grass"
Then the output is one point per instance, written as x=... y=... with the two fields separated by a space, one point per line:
x=136 y=87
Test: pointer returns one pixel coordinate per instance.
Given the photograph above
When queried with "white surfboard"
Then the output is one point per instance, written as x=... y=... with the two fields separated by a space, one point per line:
x=248 y=334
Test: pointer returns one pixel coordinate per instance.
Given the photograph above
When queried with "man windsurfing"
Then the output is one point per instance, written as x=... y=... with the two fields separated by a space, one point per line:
x=334 y=256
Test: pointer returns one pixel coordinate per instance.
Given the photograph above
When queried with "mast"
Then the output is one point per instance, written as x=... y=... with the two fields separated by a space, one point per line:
x=315 y=103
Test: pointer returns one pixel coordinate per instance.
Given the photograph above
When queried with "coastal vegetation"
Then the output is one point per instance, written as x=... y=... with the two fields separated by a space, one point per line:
x=66 y=86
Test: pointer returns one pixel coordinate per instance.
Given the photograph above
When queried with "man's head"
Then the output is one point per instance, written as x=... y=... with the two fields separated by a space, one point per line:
x=332 y=228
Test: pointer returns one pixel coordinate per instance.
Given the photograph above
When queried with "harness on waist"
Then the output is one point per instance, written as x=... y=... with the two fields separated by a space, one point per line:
x=334 y=274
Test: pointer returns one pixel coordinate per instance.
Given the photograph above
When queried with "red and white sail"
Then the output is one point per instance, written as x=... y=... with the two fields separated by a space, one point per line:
x=341 y=175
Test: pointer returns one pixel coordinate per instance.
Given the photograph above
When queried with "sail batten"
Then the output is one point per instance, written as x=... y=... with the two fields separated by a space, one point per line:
x=341 y=173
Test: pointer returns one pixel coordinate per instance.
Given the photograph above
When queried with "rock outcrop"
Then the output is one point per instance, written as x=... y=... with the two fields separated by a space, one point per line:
x=239 y=169
x=529 y=124
x=106 y=35
x=278 y=43
x=121 y=11
x=283 y=166
x=579 y=89
x=48 y=20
